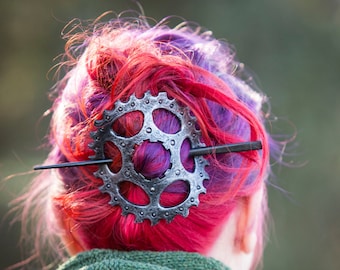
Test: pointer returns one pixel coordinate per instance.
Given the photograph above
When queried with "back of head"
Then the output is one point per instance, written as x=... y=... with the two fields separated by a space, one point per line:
x=124 y=58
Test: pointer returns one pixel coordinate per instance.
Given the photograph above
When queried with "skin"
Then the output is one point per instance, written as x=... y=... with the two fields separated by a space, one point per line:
x=235 y=246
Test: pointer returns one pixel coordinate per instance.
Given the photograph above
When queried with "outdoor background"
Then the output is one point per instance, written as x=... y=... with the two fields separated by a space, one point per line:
x=292 y=46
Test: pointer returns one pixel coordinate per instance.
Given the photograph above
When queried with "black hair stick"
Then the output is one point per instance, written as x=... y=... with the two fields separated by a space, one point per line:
x=226 y=148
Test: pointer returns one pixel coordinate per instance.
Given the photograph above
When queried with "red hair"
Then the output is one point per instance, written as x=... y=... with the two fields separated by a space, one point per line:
x=119 y=59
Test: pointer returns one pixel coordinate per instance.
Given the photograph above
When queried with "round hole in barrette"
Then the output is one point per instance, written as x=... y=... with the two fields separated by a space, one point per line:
x=111 y=151
x=151 y=159
x=174 y=194
x=187 y=161
x=166 y=121
x=129 y=124
x=133 y=193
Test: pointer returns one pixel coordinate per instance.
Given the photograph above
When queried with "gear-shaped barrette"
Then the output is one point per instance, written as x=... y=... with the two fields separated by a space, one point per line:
x=149 y=131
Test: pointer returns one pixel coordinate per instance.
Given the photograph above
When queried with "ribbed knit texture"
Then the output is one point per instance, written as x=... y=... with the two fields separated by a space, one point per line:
x=100 y=259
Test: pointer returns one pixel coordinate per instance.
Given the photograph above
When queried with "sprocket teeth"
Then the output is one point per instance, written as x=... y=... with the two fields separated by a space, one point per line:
x=171 y=142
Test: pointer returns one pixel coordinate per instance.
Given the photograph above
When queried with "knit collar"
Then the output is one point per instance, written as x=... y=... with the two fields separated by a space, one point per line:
x=141 y=260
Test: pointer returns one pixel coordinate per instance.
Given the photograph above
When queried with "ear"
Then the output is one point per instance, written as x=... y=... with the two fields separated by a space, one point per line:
x=248 y=222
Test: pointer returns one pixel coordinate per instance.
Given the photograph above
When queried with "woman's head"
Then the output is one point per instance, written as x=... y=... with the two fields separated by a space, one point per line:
x=111 y=63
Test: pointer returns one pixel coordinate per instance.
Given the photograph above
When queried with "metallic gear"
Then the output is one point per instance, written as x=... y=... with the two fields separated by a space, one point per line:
x=149 y=131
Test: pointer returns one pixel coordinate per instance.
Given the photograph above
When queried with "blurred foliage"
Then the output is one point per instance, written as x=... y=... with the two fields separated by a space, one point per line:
x=293 y=46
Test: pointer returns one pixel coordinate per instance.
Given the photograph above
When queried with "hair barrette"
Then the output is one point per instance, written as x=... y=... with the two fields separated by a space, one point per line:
x=200 y=151
x=151 y=132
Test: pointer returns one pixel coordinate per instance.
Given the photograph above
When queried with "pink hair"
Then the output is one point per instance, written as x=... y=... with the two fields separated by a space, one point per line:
x=112 y=62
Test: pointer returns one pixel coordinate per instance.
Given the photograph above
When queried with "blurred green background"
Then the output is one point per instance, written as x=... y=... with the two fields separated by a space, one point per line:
x=292 y=46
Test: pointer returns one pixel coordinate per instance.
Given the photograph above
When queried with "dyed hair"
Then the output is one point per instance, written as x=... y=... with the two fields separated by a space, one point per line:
x=111 y=61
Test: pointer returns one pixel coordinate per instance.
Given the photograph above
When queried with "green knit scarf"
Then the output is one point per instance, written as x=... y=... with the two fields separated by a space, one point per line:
x=101 y=259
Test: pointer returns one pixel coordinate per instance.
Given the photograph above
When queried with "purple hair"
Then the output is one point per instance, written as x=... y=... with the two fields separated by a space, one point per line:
x=112 y=61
